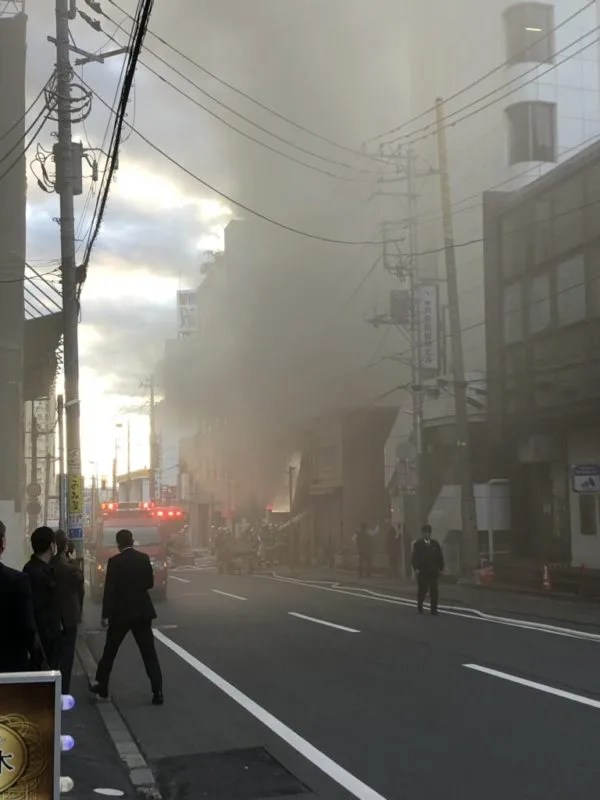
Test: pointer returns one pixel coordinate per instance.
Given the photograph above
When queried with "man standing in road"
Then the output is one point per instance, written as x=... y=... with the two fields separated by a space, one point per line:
x=45 y=594
x=127 y=607
x=69 y=583
x=428 y=562
x=21 y=650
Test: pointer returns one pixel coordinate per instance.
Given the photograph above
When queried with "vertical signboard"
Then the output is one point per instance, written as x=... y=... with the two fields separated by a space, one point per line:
x=428 y=307
x=187 y=320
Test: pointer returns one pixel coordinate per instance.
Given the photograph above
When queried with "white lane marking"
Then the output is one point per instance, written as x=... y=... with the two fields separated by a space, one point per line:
x=226 y=594
x=336 y=772
x=541 y=687
x=453 y=611
x=181 y=580
x=110 y=792
x=323 y=622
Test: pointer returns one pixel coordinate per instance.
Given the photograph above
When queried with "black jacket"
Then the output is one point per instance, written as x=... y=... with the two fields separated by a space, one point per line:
x=129 y=577
x=46 y=608
x=427 y=558
x=69 y=583
x=19 y=645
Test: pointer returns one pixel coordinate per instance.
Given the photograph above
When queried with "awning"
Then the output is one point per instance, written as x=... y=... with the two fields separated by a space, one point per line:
x=42 y=336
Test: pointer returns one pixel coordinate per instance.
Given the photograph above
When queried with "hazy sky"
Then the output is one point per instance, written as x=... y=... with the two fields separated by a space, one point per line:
x=334 y=66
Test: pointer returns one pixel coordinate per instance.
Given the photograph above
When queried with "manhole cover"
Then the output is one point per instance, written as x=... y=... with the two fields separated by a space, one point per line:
x=249 y=774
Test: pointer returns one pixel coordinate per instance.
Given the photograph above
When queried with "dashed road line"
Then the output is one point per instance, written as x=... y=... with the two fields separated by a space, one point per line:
x=227 y=594
x=453 y=611
x=329 y=767
x=181 y=580
x=323 y=622
x=540 y=687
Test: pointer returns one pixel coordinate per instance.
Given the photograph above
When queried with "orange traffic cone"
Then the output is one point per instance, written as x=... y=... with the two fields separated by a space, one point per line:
x=546 y=583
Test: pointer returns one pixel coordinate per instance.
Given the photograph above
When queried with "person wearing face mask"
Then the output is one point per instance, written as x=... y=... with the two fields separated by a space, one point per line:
x=46 y=604
x=427 y=562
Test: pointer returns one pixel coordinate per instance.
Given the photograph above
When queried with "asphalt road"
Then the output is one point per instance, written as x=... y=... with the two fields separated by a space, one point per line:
x=388 y=704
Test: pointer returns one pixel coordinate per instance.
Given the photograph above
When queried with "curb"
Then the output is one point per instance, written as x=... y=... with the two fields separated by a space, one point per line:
x=140 y=774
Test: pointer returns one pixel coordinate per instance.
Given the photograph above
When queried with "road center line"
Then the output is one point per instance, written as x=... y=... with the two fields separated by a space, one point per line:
x=181 y=580
x=323 y=622
x=336 y=772
x=540 y=687
x=226 y=594
x=465 y=612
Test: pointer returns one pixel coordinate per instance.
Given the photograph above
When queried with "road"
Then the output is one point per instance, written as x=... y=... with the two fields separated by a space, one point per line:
x=354 y=695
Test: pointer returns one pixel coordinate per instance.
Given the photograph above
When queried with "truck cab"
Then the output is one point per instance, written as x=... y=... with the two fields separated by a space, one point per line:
x=147 y=536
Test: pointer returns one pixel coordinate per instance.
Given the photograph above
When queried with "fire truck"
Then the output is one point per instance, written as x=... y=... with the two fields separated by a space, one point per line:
x=155 y=529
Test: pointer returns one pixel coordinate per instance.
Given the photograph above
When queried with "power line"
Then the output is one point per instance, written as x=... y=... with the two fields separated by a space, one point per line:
x=247 y=96
x=22 y=138
x=25 y=149
x=482 y=78
x=251 y=122
x=478 y=110
x=27 y=111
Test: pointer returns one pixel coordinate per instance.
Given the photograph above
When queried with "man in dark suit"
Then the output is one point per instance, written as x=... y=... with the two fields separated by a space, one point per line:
x=20 y=648
x=127 y=607
x=69 y=583
x=45 y=593
x=428 y=562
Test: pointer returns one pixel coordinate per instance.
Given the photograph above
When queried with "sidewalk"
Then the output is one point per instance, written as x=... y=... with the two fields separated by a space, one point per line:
x=94 y=762
x=491 y=600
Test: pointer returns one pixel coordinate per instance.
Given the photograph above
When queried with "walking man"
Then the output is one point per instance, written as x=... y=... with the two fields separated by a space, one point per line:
x=69 y=583
x=127 y=607
x=45 y=593
x=428 y=562
x=21 y=650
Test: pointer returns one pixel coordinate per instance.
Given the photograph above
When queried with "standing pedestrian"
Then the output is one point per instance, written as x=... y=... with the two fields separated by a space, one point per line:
x=127 y=607
x=393 y=543
x=69 y=583
x=20 y=650
x=45 y=594
x=428 y=562
x=364 y=543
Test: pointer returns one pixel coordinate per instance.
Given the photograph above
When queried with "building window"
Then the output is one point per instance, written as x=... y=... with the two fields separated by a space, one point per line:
x=531 y=132
x=513 y=313
x=588 y=518
x=529 y=33
x=571 y=290
x=539 y=312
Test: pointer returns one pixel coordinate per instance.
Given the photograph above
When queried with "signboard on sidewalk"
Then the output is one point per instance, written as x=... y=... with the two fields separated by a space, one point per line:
x=586 y=478
x=30 y=731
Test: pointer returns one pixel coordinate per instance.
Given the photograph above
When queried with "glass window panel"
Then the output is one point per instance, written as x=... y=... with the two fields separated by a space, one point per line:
x=529 y=33
x=539 y=316
x=570 y=287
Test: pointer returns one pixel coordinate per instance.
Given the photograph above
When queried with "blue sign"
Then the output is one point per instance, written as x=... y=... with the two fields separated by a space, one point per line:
x=76 y=534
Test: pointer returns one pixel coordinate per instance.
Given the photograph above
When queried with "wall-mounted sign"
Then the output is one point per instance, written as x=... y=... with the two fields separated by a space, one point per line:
x=429 y=324
x=586 y=477
x=187 y=320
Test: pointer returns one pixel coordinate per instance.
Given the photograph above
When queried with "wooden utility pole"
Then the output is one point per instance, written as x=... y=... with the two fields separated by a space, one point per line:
x=463 y=455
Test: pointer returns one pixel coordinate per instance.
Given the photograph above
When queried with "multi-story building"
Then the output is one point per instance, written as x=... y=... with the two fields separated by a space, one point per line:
x=521 y=82
x=542 y=262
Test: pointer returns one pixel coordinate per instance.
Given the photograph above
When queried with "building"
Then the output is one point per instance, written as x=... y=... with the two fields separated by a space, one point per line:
x=542 y=284
x=533 y=102
x=12 y=270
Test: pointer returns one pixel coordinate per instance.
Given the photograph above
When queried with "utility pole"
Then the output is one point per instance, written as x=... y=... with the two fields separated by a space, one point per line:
x=128 y=484
x=60 y=406
x=292 y=537
x=33 y=480
x=64 y=157
x=470 y=533
x=153 y=447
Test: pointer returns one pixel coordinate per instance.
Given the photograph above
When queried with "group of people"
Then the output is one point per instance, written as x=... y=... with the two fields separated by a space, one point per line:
x=427 y=559
x=41 y=607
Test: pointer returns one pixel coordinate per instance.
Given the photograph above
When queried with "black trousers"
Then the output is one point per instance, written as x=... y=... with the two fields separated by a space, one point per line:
x=144 y=638
x=428 y=582
x=66 y=656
